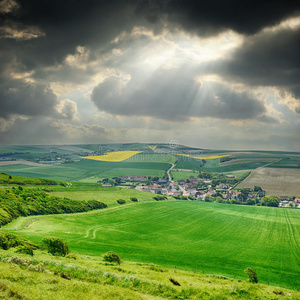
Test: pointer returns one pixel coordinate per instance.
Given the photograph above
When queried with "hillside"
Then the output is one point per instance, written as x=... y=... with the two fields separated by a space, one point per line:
x=47 y=277
x=194 y=235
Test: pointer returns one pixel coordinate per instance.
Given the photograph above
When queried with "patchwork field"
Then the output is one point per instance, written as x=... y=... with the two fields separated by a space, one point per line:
x=205 y=237
x=88 y=169
x=275 y=181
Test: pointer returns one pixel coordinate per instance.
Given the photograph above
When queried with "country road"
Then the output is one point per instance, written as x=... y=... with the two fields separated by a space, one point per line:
x=168 y=172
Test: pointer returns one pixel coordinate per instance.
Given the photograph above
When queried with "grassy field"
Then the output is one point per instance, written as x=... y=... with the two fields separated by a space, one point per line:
x=177 y=175
x=107 y=195
x=206 y=237
x=275 y=181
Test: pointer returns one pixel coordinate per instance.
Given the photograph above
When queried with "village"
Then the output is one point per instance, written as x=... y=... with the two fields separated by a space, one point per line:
x=203 y=189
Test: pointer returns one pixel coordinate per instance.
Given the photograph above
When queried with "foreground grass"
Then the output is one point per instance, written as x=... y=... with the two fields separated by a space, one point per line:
x=41 y=277
x=206 y=237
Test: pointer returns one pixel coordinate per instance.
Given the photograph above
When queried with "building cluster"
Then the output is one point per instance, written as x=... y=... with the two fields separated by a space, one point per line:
x=286 y=201
x=200 y=189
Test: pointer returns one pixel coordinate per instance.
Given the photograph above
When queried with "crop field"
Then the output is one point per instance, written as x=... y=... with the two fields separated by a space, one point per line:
x=289 y=162
x=187 y=163
x=205 y=237
x=115 y=156
x=235 y=167
x=153 y=157
x=88 y=169
x=275 y=181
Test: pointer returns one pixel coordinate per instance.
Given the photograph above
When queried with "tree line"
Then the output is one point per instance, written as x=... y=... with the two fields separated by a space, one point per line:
x=25 y=202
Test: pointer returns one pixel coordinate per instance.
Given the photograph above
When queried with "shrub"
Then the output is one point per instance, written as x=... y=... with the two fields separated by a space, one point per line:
x=55 y=246
x=252 y=275
x=72 y=256
x=9 y=240
x=25 y=250
x=121 y=201
x=134 y=199
x=160 y=198
x=111 y=256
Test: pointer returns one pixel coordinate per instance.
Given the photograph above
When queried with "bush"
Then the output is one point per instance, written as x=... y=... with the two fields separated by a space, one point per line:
x=55 y=246
x=160 y=198
x=121 y=201
x=134 y=199
x=252 y=275
x=72 y=256
x=111 y=256
x=25 y=250
x=9 y=240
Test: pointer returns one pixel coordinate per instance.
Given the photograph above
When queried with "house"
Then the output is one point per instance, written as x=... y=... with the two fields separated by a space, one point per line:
x=162 y=181
x=134 y=178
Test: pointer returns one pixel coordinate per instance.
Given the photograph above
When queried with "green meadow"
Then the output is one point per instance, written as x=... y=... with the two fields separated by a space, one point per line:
x=209 y=238
x=107 y=195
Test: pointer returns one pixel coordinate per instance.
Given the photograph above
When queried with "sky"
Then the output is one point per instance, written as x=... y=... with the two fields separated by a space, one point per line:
x=211 y=74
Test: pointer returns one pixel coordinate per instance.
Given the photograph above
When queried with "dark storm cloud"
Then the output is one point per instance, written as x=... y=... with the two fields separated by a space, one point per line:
x=266 y=59
x=67 y=24
x=21 y=98
x=247 y=17
x=174 y=95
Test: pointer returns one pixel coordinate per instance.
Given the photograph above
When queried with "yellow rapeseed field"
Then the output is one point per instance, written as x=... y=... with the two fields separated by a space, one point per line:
x=116 y=156
x=152 y=147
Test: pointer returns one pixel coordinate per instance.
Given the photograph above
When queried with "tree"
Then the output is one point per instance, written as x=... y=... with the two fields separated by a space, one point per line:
x=111 y=256
x=55 y=246
x=250 y=202
x=257 y=188
x=252 y=275
x=269 y=201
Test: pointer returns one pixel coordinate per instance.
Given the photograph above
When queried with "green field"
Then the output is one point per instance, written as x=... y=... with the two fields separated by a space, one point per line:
x=88 y=168
x=187 y=163
x=177 y=175
x=107 y=195
x=292 y=162
x=206 y=237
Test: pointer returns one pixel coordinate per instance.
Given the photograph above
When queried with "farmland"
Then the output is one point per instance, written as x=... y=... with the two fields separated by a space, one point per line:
x=115 y=156
x=65 y=162
x=206 y=237
x=276 y=181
